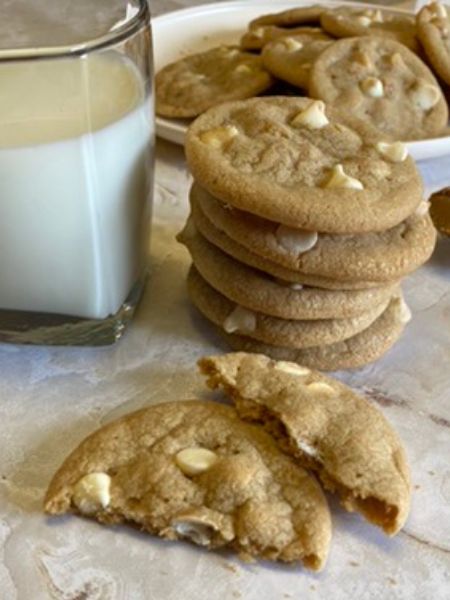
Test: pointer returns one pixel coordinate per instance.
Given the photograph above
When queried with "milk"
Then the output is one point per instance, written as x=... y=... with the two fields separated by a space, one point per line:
x=74 y=180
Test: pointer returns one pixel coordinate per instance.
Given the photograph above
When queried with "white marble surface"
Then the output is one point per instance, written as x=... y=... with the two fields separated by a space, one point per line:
x=52 y=398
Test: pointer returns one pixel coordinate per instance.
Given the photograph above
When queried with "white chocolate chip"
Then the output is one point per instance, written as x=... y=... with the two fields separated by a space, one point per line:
x=197 y=532
x=405 y=312
x=258 y=32
x=91 y=493
x=422 y=209
x=362 y=58
x=240 y=319
x=219 y=136
x=243 y=69
x=320 y=387
x=231 y=52
x=438 y=10
x=307 y=448
x=291 y=368
x=313 y=116
x=396 y=60
x=377 y=16
x=193 y=461
x=190 y=79
x=424 y=94
x=284 y=283
x=295 y=241
x=364 y=21
x=395 y=151
x=291 y=44
x=373 y=87
x=339 y=179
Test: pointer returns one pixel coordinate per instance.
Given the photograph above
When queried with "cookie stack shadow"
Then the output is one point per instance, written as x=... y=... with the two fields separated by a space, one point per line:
x=328 y=300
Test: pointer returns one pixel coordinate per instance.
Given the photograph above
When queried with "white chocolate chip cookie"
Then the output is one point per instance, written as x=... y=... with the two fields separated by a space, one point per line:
x=280 y=164
x=193 y=84
x=288 y=333
x=392 y=87
x=433 y=30
x=327 y=427
x=354 y=22
x=290 y=58
x=194 y=471
x=377 y=256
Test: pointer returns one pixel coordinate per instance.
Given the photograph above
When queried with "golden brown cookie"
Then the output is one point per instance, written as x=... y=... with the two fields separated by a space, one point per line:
x=292 y=17
x=257 y=37
x=282 y=275
x=254 y=290
x=354 y=22
x=193 y=84
x=291 y=58
x=357 y=351
x=293 y=161
x=379 y=256
x=326 y=426
x=433 y=30
x=382 y=81
x=233 y=318
x=440 y=210
x=195 y=471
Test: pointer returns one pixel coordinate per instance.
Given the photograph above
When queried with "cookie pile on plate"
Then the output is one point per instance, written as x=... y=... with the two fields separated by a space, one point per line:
x=301 y=228
x=386 y=67
x=238 y=477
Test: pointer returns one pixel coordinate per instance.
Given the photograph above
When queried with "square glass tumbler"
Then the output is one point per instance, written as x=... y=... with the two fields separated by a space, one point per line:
x=76 y=168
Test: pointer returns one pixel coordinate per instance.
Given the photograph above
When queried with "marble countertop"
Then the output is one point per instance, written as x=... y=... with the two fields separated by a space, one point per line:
x=51 y=398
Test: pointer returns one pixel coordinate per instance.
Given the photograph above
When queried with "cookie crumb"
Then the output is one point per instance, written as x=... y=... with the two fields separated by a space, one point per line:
x=312 y=587
x=229 y=567
x=236 y=594
x=431 y=473
x=392 y=581
x=353 y=563
x=417 y=487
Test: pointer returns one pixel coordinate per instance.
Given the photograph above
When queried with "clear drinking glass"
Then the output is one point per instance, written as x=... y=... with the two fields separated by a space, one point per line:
x=76 y=145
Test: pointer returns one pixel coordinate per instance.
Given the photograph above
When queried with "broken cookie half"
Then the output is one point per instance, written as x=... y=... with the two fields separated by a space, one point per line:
x=326 y=427
x=193 y=470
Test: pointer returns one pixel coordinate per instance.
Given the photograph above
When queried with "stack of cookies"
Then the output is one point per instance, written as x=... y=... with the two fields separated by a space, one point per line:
x=301 y=228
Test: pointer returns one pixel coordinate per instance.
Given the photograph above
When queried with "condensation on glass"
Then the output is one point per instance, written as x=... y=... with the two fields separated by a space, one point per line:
x=76 y=146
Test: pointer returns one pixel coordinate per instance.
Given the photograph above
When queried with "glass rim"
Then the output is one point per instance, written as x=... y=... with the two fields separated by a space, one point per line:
x=79 y=49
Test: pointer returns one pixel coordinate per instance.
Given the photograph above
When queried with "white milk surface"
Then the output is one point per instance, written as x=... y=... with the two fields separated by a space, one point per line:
x=74 y=178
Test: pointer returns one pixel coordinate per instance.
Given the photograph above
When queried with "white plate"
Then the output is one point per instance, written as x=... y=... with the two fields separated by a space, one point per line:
x=191 y=30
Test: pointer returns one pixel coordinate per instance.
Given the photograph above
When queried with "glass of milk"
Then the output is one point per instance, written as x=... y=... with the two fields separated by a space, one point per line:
x=76 y=140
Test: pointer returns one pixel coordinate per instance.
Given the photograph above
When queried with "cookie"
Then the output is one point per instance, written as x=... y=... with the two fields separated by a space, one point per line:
x=352 y=22
x=193 y=84
x=433 y=30
x=327 y=427
x=257 y=37
x=290 y=18
x=192 y=470
x=279 y=273
x=357 y=351
x=253 y=290
x=384 y=82
x=440 y=210
x=233 y=318
x=290 y=58
x=292 y=161
x=382 y=256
